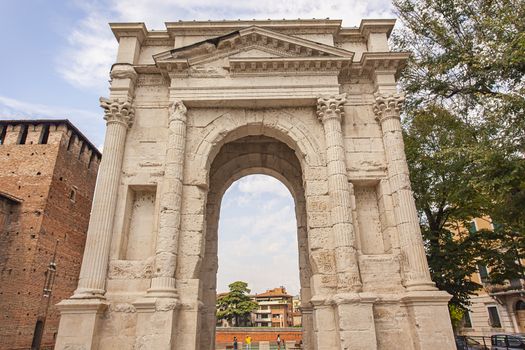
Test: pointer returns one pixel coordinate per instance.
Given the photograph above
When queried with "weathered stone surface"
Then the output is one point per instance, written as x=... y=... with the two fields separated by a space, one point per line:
x=321 y=118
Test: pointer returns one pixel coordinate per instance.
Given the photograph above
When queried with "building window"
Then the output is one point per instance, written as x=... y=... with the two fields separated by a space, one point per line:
x=467 y=322
x=472 y=228
x=483 y=273
x=494 y=317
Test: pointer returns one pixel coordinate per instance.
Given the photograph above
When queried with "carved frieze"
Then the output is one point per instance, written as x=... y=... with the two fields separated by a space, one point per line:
x=283 y=53
x=151 y=80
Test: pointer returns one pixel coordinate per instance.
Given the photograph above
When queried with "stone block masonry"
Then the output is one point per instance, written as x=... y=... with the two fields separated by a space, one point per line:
x=47 y=177
x=201 y=104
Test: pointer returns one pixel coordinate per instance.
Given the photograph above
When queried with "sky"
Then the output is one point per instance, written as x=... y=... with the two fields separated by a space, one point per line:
x=55 y=57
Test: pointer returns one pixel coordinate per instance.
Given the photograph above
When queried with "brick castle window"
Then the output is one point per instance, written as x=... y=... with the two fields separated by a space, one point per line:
x=73 y=194
x=90 y=160
x=2 y=134
x=44 y=135
x=23 y=135
x=71 y=141
x=82 y=148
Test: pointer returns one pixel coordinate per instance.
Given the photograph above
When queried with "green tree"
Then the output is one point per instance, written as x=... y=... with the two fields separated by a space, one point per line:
x=469 y=57
x=464 y=129
x=236 y=305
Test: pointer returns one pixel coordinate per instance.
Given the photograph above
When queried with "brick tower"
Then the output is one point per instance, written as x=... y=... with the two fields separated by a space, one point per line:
x=48 y=171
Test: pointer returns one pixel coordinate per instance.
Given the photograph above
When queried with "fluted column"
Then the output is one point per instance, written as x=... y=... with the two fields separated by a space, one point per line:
x=330 y=112
x=118 y=114
x=415 y=266
x=163 y=281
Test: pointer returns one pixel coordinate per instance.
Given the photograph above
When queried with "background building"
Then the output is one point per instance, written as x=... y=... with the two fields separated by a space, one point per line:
x=275 y=309
x=495 y=308
x=48 y=171
x=296 y=312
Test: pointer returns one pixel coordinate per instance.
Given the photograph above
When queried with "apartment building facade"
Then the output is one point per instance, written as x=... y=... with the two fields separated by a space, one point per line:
x=495 y=308
x=275 y=309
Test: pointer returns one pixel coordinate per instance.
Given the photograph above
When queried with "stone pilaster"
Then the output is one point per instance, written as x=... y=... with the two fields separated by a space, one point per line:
x=118 y=114
x=415 y=266
x=163 y=282
x=308 y=326
x=330 y=112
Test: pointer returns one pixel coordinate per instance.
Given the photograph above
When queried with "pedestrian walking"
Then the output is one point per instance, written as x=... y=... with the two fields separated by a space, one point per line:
x=235 y=344
x=279 y=341
x=248 y=341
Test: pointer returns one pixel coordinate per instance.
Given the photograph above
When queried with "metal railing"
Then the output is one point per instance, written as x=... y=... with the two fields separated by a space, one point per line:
x=496 y=342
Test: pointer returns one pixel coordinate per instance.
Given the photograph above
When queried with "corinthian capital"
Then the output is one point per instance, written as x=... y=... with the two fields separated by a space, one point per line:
x=388 y=105
x=177 y=111
x=117 y=110
x=330 y=107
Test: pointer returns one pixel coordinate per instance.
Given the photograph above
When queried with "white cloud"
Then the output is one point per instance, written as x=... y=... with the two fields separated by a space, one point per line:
x=15 y=109
x=10 y=107
x=92 y=47
x=258 y=184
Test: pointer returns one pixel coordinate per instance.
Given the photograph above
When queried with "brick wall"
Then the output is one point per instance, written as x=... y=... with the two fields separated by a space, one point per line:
x=43 y=177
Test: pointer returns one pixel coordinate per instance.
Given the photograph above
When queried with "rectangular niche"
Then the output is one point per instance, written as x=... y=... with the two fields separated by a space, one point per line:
x=140 y=229
x=372 y=235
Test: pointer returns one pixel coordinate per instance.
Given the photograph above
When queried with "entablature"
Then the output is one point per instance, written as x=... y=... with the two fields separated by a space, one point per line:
x=272 y=52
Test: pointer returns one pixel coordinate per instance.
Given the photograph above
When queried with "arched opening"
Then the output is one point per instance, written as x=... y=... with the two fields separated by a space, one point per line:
x=257 y=240
x=257 y=244
x=238 y=158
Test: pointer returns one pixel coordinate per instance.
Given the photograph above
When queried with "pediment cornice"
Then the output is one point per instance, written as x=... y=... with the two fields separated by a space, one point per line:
x=285 y=53
x=377 y=61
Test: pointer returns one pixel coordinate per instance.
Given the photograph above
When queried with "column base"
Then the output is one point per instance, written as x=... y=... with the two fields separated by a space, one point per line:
x=324 y=322
x=78 y=323
x=308 y=326
x=420 y=285
x=430 y=318
x=88 y=293
x=156 y=323
x=356 y=320
x=162 y=287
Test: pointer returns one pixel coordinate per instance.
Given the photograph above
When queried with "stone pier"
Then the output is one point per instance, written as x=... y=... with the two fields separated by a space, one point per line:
x=199 y=105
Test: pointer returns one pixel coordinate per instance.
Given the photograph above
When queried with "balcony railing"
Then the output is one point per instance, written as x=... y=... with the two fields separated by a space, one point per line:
x=509 y=286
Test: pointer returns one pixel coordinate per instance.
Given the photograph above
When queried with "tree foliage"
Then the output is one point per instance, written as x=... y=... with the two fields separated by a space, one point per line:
x=464 y=127
x=236 y=305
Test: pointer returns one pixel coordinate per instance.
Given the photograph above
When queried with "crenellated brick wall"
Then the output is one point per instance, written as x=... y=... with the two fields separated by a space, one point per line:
x=36 y=184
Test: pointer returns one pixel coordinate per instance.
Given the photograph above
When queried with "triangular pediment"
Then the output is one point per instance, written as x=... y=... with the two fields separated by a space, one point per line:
x=255 y=49
x=256 y=52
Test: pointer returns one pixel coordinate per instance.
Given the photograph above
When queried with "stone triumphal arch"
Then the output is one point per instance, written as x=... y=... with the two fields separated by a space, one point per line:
x=201 y=104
